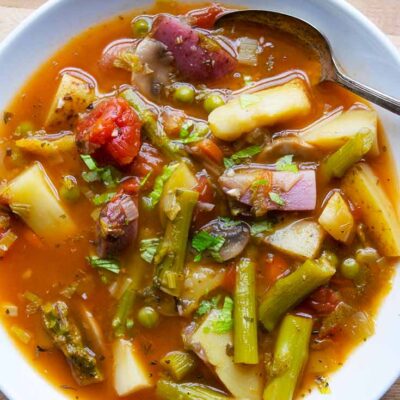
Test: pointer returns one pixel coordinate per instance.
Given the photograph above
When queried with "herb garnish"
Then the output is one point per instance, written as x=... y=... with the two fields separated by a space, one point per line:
x=241 y=155
x=286 y=164
x=203 y=241
x=102 y=263
x=148 y=249
x=276 y=198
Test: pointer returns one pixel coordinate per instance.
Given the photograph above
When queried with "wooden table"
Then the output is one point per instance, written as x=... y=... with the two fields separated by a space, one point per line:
x=383 y=13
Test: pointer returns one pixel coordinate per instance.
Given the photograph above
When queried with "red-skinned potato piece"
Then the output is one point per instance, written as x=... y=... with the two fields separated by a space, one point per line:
x=112 y=131
x=197 y=56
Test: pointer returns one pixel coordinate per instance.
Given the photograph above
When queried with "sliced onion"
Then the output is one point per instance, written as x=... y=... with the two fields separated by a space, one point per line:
x=247 y=52
x=130 y=209
x=202 y=206
x=7 y=241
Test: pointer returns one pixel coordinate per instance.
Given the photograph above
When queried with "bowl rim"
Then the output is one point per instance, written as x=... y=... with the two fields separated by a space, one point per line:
x=341 y=5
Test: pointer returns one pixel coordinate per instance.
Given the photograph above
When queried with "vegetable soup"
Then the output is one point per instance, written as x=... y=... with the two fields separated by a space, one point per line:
x=187 y=214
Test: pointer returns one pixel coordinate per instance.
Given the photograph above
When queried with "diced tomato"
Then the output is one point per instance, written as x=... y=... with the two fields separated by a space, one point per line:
x=210 y=149
x=323 y=301
x=131 y=186
x=275 y=268
x=111 y=130
x=204 y=188
x=230 y=279
x=205 y=17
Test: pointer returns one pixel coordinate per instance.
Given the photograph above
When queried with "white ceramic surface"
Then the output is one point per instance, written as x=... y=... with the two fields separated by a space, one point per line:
x=363 y=51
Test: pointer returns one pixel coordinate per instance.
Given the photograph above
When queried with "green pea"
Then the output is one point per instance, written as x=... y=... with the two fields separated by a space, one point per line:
x=148 y=317
x=69 y=189
x=184 y=94
x=140 y=27
x=350 y=268
x=331 y=258
x=24 y=128
x=212 y=102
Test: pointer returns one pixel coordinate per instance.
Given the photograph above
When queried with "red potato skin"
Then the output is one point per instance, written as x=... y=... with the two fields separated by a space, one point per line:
x=112 y=130
x=192 y=59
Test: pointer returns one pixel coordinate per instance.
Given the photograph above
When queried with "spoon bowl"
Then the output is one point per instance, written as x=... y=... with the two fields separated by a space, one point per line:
x=319 y=44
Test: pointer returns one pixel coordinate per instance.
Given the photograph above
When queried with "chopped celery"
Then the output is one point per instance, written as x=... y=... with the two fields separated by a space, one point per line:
x=336 y=165
x=171 y=254
x=289 y=291
x=290 y=357
x=245 y=318
x=179 y=364
x=21 y=334
x=168 y=390
x=6 y=241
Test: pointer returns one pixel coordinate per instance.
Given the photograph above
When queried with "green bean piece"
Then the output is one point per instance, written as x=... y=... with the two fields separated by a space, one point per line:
x=69 y=189
x=171 y=254
x=140 y=27
x=290 y=358
x=289 y=291
x=336 y=165
x=167 y=390
x=184 y=94
x=350 y=268
x=124 y=307
x=213 y=101
x=245 y=318
x=179 y=364
x=148 y=317
x=68 y=338
x=152 y=127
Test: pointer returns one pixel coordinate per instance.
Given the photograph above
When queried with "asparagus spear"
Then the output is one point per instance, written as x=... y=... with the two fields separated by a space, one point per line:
x=153 y=129
x=168 y=390
x=124 y=306
x=67 y=337
x=292 y=289
x=245 y=319
x=171 y=254
x=290 y=357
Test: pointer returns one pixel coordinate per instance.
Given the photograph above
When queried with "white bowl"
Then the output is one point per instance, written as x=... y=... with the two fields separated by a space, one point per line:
x=363 y=51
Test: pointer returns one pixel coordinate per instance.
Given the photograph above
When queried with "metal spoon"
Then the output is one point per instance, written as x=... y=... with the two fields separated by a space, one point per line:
x=306 y=33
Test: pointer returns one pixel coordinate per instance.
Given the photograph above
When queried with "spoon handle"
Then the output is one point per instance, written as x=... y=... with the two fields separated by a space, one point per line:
x=383 y=100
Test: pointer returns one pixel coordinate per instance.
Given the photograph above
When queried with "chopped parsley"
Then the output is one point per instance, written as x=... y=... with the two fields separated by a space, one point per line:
x=247 y=100
x=207 y=305
x=276 y=198
x=261 y=227
x=241 y=155
x=154 y=197
x=107 y=175
x=203 y=241
x=192 y=132
x=148 y=249
x=100 y=199
x=286 y=164
x=102 y=263
x=222 y=322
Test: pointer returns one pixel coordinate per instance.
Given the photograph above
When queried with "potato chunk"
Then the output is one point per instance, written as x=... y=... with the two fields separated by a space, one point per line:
x=130 y=373
x=363 y=188
x=243 y=381
x=265 y=108
x=300 y=239
x=332 y=132
x=337 y=219
x=32 y=196
x=73 y=96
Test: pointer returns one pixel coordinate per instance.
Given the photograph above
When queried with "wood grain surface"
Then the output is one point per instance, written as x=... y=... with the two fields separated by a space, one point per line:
x=384 y=13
